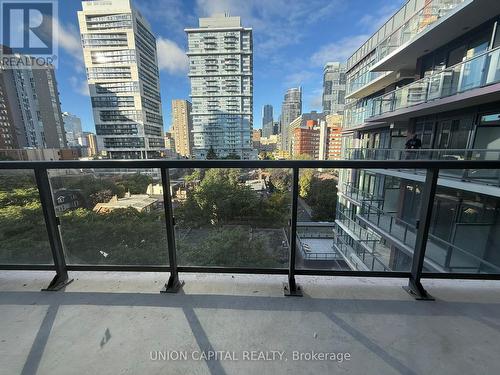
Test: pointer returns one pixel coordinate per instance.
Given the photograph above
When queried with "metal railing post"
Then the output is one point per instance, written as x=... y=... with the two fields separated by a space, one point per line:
x=61 y=278
x=415 y=287
x=173 y=284
x=291 y=288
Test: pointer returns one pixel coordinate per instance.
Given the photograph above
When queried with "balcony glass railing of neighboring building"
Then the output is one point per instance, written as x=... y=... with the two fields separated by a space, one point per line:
x=490 y=177
x=368 y=246
x=359 y=257
x=360 y=195
x=361 y=81
x=439 y=252
x=199 y=216
x=420 y=154
x=429 y=14
x=476 y=72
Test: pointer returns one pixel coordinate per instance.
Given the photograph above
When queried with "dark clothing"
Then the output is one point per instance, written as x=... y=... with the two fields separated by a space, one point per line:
x=413 y=144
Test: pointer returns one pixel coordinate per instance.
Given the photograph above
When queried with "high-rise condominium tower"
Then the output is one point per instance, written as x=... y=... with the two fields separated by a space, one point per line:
x=182 y=126
x=267 y=120
x=290 y=110
x=122 y=70
x=30 y=108
x=73 y=128
x=334 y=78
x=221 y=72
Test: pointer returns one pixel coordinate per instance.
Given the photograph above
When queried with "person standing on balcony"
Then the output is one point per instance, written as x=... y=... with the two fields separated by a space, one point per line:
x=414 y=143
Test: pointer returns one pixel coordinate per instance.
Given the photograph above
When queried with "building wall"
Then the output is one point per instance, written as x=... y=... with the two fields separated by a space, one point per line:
x=182 y=127
x=290 y=110
x=8 y=139
x=119 y=51
x=334 y=81
x=31 y=99
x=221 y=74
x=73 y=128
x=267 y=121
x=49 y=108
x=306 y=141
x=464 y=225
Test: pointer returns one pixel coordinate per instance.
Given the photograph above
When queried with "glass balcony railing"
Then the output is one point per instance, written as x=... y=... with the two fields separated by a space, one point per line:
x=227 y=216
x=420 y=154
x=440 y=254
x=479 y=71
x=360 y=195
x=362 y=80
x=429 y=14
x=490 y=177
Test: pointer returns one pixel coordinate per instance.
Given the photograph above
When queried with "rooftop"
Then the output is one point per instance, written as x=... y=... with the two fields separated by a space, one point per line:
x=109 y=323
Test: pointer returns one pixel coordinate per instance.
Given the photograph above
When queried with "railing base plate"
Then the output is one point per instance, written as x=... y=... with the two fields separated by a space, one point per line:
x=57 y=284
x=172 y=286
x=292 y=293
x=418 y=292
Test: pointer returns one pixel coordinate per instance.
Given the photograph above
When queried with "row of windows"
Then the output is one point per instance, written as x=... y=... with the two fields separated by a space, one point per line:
x=135 y=142
x=149 y=104
x=154 y=118
x=104 y=88
x=126 y=115
x=116 y=56
x=113 y=129
x=152 y=130
x=112 y=101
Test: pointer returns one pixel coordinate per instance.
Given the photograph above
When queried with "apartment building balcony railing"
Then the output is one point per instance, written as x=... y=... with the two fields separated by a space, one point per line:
x=439 y=252
x=476 y=72
x=366 y=245
x=360 y=195
x=490 y=177
x=157 y=246
x=428 y=15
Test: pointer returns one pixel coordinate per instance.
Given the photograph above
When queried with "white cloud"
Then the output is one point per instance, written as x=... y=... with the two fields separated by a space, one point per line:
x=373 y=22
x=68 y=39
x=276 y=23
x=171 y=57
x=79 y=86
x=338 y=51
x=299 y=78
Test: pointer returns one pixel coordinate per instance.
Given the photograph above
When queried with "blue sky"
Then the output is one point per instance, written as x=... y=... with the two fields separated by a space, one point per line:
x=293 y=39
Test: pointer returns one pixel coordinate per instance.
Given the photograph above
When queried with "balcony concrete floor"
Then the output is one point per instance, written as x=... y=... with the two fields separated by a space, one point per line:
x=108 y=323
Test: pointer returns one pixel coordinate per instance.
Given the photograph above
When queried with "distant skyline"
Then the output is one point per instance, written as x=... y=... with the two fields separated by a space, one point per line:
x=292 y=42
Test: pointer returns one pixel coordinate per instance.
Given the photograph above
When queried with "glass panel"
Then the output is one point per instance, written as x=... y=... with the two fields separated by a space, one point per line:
x=111 y=216
x=465 y=232
x=23 y=234
x=374 y=227
x=478 y=71
x=316 y=212
x=232 y=217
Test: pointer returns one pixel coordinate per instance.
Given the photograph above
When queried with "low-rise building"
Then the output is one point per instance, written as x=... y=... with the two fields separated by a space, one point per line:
x=141 y=202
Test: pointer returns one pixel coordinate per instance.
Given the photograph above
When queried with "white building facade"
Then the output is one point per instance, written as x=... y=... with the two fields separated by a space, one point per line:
x=221 y=73
x=122 y=70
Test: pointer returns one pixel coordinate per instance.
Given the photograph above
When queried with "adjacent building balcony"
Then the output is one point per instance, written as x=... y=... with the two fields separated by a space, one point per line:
x=436 y=24
x=465 y=177
x=471 y=82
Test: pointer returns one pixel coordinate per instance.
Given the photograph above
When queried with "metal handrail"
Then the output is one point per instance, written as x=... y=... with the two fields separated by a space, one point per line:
x=41 y=169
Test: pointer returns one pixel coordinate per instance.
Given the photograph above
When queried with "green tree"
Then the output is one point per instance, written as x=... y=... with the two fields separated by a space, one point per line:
x=305 y=179
x=322 y=198
x=227 y=247
x=211 y=154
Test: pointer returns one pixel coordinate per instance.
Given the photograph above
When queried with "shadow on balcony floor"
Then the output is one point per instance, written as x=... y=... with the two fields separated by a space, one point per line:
x=110 y=323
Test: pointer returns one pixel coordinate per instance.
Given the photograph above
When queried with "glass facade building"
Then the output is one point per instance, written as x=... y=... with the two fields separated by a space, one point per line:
x=445 y=96
x=122 y=70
